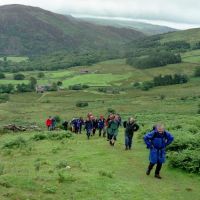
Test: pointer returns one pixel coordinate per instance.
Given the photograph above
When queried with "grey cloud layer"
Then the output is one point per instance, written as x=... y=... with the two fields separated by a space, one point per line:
x=186 y=11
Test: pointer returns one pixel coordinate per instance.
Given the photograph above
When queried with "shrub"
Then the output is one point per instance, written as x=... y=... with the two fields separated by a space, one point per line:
x=57 y=118
x=136 y=85
x=17 y=143
x=197 y=72
x=82 y=104
x=62 y=164
x=49 y=189
x=5 y=184
x=6 y=88
x=162 y=97
x=147 y=85
x=188 y=160
x=61 y=177
x=59 y=83
x=41 y=75
x=2 y=75
x=19 y=77
x=4 y=98
x=106 y=174
x=59 y=136
x=111 y=110
x=39 y=136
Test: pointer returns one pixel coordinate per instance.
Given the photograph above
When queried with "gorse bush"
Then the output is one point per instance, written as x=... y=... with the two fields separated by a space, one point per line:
x=106 y=174
x=62 y=164
x=52 y=136
x=4 y=98
x=82 y=104
x=188 y=160
x=19 y=76
x=17 y=143
x=184 y=151
x=40 y=136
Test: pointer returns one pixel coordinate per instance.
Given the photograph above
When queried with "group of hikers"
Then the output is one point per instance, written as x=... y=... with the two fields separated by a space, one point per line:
x=156 y=140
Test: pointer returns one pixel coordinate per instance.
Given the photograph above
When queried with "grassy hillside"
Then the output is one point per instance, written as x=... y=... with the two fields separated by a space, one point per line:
x=147 y=29
x=96 y=170
x=32 y=31
x=191 y=36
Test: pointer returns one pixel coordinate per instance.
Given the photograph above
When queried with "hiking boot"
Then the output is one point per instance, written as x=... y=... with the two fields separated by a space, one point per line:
x=148 y=172
x=158 y=176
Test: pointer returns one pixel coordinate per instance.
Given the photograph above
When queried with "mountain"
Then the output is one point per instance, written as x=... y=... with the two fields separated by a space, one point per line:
x=26 y=30
x=146 y=28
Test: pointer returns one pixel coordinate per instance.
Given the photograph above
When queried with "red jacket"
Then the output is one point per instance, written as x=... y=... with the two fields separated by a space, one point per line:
x=48 y=122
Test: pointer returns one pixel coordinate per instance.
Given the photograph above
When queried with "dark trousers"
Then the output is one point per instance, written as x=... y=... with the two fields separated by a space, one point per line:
x=88 y=133
x=128 y=141
x=102 y=130
x=80 y=129
x=94 y=131
x=158 y=167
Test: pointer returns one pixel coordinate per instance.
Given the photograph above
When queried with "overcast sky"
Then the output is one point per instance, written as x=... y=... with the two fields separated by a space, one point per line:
x=179 y=13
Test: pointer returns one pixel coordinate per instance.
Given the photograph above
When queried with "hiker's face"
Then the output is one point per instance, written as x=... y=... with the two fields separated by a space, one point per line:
x=160 y=130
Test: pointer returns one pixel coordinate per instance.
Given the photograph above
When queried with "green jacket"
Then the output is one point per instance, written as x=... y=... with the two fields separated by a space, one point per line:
x=113 y=127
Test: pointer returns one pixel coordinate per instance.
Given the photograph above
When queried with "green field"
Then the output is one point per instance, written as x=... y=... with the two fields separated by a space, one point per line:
x=97 y=170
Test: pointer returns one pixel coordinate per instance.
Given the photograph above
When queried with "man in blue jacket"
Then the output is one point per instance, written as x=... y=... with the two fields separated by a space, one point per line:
x=156 y=141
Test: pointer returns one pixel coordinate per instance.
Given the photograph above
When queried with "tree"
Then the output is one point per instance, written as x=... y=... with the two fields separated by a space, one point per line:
x=23 y=88
x=19 y=77
x=197 y=72
x=2 y=75
x=7 y=88
x=33 y=83
x=59 y=83
x=41 y=75
x=54 y=87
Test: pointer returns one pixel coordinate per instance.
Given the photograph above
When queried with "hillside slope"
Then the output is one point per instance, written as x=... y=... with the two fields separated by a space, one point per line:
x=147 y=29
x=191 y=36
x=26 y=30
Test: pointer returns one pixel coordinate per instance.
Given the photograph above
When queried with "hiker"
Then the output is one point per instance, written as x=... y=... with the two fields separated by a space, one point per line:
x=95 y=125
x=74 y=124
x=80 y=123
x=156 y=141
x=53 y=125
x=101 y=126
x=107 y=123
x=49 y=123
x=113 y=126
x=119 y=119
x=130 y=128
x=88 y=126
x=65 y=125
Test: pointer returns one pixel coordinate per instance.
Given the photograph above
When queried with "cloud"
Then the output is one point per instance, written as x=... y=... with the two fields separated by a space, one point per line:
x=178 y=11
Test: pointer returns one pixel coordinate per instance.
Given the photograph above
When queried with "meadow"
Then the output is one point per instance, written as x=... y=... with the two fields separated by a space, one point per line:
x=34 y=165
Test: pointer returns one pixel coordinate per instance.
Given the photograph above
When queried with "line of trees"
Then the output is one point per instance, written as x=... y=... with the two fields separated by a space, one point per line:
x=162 y=81
x=156 y=59
x=10 y=88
